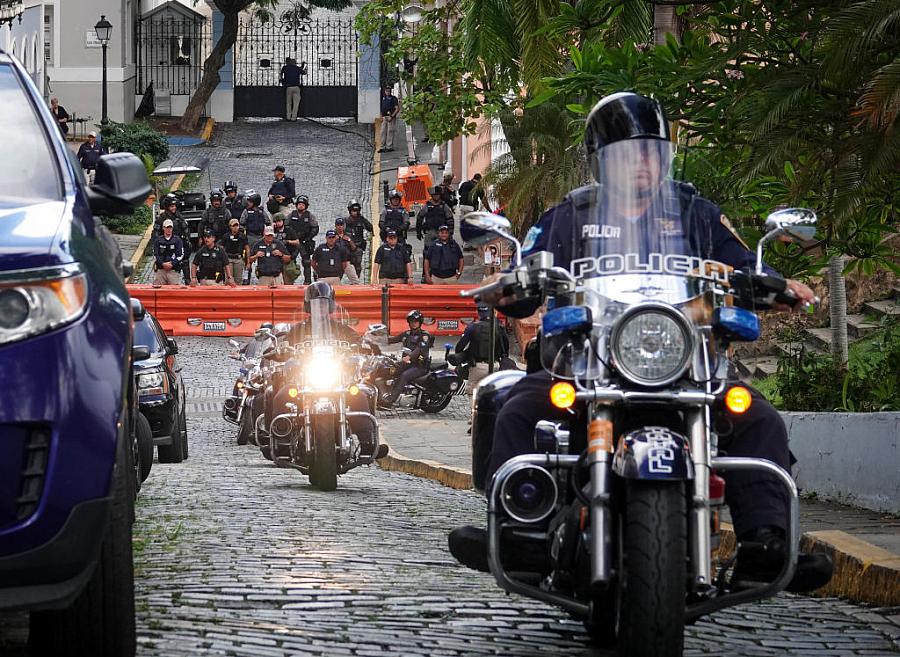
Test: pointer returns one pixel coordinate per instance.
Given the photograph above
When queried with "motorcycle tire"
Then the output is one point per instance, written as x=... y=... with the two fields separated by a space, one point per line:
x=145 y=445
x=323 y=470
x=245 y=431
x=654 y=570
x=435 y=402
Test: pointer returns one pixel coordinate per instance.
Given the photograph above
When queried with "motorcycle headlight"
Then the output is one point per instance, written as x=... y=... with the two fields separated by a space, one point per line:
x=323 y=371
x=154 y=382
x=651 y=345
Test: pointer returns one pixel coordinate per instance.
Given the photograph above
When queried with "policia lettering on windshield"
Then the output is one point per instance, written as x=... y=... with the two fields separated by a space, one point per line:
x=630 y=153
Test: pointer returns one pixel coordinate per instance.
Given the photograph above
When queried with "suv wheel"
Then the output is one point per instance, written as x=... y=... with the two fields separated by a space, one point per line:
x=175 y=452
x=145 y=445
x=100 y=622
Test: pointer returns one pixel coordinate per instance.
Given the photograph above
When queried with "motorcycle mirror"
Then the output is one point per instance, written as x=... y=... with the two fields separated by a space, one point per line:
x=494 y=225
x=792 y=223
x=377 y=329
x=235 y=344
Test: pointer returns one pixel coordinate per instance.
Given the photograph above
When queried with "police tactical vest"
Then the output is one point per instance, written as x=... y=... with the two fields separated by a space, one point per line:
x=356 y=230
x=394 y=219
x=435 y=217
x=256 y=221
x=234 y=206
x=234 y=245
x=329 y=261
x=442 y=257
x=393 y=262
x=302 y=225
x=208 y=264
x=268 y=264
x=481 y=341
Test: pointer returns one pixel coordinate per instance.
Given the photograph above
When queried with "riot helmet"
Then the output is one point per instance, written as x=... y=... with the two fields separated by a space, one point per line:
x=230 y=186
x=254 y=197
x=354 y=205
x=169 y=199
x=302 y=198
x=216 y=195
x=395 y=193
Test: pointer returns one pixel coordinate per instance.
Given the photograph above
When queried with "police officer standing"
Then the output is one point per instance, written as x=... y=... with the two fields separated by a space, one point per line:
x=470 y=195
x=281 y=193
x=475 y=343
x=346 y=244
x=443 y=263
x=181 y=229
x=215 y=217
x=286 y=235
x=233 y=201
x=254 y=218
x=169 y=255
x=356 y=226
x=415 y=363
x=270 y=257
x=88 y=155
x=330 y=260
x=306 y=227
x=235 y=245
x=392 y=262
x=394 y=217
x=435 y=214
x=211 y=265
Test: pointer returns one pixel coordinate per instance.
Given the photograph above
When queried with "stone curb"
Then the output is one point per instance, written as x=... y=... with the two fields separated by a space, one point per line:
x=862 y=572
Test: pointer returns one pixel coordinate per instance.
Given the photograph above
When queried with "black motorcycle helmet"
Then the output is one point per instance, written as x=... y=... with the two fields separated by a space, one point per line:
x=216 y=195
x=318 y=290
x=414 y=316
x=354 y=204
x=169 y=199
x=395 y=193
x=302 y=198
x=230 y=186
x=621 y=116
x=254 y=197
x=484 y=312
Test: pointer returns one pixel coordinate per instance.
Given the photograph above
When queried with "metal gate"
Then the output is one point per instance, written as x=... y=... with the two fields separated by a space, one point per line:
x=327 y=46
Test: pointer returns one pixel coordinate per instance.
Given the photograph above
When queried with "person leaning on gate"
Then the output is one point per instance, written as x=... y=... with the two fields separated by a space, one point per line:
x=211 y=265
x=289 y=77
x=270 y=257
x=415 y=363
x=235 y=244
x=305 y=225
x=432 y=216
x=215 y=218
x=443 y=262
x=330 y=260
x=630 y=153
x=88 y=155
x=348 y=246
x=390 y=108
x=286 y=235
x=281 y=193
x=356 y=226
x=392 y=262
x=168 y=256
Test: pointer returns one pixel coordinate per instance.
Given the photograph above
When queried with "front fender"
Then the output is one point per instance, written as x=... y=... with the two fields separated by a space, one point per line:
x=653 y=453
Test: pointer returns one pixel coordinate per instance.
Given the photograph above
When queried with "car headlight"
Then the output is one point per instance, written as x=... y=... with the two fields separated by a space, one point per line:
x=154 y=382
x=45 y=300
x=323 y=371
x=651 y=345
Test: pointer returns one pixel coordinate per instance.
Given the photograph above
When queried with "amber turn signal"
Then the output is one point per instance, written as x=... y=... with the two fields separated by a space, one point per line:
x=738 y=399
x=353 y=390
x=562 y=394
x=292 y=393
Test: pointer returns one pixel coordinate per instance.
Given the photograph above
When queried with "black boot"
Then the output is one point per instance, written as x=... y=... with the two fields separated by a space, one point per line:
x=469 y=546
x=761 y=555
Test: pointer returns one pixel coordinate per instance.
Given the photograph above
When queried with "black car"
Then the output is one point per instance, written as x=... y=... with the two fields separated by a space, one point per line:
x=161 y=389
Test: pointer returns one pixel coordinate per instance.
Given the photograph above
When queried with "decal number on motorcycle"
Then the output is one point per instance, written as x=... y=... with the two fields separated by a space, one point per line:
x=661 y=452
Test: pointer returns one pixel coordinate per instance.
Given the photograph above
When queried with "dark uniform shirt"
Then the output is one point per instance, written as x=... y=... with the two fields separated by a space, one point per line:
x=393 y=261
x=254 y=220
x=268 y=264
x=344 y=245
x=215 y=220
x=304 y=225
x=443 y=258
x=433 y=216
x=328 y=260
x=210 y=263
x=396 y=219
x=287 y=233
x=234 y=244
x=476 y=341
x=290 y=75
x=388 y=104
x=356 y=229
x=179 y=228
x=89 y=154
x=283 y=187
x=419 y=342
x=168 y=250
x=235 y=206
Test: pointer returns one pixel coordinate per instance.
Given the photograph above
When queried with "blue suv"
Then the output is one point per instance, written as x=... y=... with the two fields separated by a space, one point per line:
x=67 y=407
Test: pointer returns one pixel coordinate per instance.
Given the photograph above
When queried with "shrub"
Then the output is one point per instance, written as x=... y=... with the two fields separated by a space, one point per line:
x=130 y=224
x=139 y=138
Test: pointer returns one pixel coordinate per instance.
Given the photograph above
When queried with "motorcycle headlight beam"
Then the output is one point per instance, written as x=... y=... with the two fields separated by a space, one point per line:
x=651 y=344
x=323 y=371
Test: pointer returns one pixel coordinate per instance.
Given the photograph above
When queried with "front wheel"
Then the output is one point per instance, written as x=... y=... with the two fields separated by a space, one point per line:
x=323 y=470
x=654 y=570
x=434 y=401
x=246 y=427
x=145 y=445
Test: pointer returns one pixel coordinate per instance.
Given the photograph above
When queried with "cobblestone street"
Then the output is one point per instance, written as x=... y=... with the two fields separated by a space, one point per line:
x=236 y=557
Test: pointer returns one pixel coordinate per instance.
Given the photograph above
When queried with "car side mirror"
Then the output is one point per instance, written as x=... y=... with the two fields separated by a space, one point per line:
x=141 y=352
x=171 y=346
x=138 y=312
x=120 y=184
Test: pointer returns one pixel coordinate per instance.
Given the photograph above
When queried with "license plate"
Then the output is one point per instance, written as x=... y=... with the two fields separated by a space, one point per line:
x=448 y=325
x=214 y=326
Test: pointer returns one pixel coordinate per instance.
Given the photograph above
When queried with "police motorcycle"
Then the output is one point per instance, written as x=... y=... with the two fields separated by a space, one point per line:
x=238 y=408
x=624 y=499
x=319 y=417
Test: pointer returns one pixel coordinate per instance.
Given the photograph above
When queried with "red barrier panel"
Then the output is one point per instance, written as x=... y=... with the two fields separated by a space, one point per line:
x=439 y=301
x=207 y=310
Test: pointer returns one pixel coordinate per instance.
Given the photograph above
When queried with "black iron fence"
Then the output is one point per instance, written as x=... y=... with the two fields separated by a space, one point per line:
x=327 y=46
x=170 y=54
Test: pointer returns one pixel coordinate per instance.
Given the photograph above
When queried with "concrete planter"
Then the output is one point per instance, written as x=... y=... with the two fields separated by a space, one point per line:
x=853 y=458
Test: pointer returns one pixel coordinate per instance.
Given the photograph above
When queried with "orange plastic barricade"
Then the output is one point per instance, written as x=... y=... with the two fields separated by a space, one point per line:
x=414 y=183
x=362 y=303
x=213 y=311
x=442 y=302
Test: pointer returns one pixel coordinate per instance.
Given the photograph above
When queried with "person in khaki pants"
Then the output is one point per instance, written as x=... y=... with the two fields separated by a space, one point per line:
x=443 y=263
x=329 y=260
x=290 y=79
x=390 y=108
x=211 y=265
x=271 y=257
x=168 y=253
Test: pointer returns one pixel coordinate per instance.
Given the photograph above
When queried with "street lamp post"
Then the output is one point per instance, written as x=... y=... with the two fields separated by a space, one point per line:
x=103 y=28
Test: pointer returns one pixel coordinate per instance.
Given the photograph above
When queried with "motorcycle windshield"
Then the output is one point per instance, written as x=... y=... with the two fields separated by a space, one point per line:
x=630 y=240
x=324 y=322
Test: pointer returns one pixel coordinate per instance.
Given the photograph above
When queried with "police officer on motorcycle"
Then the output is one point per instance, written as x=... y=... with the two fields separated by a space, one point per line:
x=415 y=363
x=306 y=227
x=758 y=505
